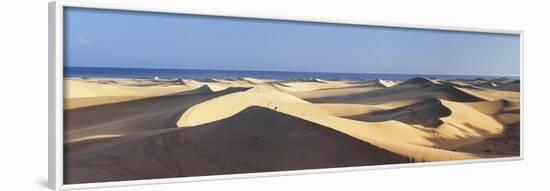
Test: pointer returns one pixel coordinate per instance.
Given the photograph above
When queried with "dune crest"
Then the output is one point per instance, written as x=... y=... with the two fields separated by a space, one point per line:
x=256 y=139
x=220 y=126
x=385 y=83
x=417 y=81
x=228 y=105
x=212 y=88
x=428 y=127
x=81 y=93
x=426 y=113
x=255 y=81
x=416 y=88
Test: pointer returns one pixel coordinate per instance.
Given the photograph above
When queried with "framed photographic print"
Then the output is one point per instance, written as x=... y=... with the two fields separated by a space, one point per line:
x=143 y=96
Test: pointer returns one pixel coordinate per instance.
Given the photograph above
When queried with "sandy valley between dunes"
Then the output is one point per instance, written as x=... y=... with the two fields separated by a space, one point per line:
x=130 y=129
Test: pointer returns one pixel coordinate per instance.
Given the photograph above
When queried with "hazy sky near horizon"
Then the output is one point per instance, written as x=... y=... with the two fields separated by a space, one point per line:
x=105 y=38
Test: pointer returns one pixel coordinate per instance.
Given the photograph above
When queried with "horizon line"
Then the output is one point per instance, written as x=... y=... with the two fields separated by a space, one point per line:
x=488 y=75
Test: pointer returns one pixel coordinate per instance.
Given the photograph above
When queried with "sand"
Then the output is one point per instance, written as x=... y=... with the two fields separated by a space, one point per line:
x=124 y=129
x=86 y=93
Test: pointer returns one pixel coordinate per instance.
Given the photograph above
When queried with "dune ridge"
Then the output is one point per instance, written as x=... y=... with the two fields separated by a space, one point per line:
x=398 y=123
x=209 y=110
x=163 y=128
x=283 y=142
x=416 y=88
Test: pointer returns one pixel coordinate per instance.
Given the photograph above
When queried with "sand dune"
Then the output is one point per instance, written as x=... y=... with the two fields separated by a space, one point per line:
x=402 y=135
x=426 y=113
x=418 y=81
x=412 y=125
x=341 y=89
x=192 y=83
x=416 y=88
x=261 y=140
x=209 y=88
x=132 y=117
x=487 y=84
x=247 y=125
x=217 y=109
x=501 y=85
x=332 y=92
x=207 y=80
x=309 y=85
x=79 y=93
x=257 y=81
x=491 y=94
x=422 y=144
x=385 y=83
x=76 y=103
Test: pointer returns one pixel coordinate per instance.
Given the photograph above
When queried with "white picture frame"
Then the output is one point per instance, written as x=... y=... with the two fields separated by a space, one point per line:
x=55 y=100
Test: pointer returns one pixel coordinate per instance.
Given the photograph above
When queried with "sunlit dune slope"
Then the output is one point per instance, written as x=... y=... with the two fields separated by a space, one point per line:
x=80 y=93
x=162 y=128
x=256 y=139
x=416 y=88
x=446 y=124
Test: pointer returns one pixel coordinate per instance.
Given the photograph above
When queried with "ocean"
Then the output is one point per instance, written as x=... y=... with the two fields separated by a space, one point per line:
x=149 y=73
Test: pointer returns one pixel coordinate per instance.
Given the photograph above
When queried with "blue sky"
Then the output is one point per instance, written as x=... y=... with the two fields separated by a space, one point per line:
x=105 y=38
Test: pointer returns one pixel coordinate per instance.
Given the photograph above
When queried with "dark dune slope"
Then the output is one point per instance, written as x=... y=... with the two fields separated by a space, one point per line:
x=255 y=140
x=128 y=118
x=426 y=113
x=415 y=88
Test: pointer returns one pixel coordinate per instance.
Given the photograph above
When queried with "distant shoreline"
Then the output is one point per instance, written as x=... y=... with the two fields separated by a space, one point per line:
x=198 y=74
